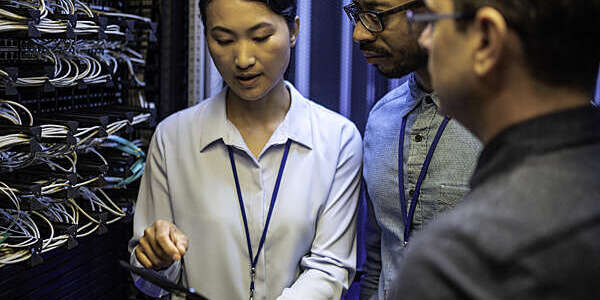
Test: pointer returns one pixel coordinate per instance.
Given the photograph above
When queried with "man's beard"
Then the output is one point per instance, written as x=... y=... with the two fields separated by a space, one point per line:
x=411 y=63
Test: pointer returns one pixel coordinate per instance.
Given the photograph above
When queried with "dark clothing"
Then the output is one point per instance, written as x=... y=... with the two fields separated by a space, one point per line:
x=530 y=228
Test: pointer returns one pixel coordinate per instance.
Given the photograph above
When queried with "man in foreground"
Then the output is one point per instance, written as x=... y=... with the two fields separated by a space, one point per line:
x=529 y=228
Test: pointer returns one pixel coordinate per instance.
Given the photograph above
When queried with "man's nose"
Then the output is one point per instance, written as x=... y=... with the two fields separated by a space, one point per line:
x=425 y=37
x=361 y=34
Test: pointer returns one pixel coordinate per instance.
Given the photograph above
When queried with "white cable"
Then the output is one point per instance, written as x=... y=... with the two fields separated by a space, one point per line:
x=123 y=15
x=27 y=112
x=49 y=226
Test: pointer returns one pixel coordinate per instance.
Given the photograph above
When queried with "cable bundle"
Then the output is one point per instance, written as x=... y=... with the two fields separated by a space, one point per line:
x=74 y=65
x=67 y=67
x=77 y=58
x=43 y=18
x=83 y=139
x=33 y=205
x=127 y=148
x=24 y=234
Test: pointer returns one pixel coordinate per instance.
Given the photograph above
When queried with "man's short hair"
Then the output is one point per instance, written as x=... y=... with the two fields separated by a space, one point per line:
x=561 y=38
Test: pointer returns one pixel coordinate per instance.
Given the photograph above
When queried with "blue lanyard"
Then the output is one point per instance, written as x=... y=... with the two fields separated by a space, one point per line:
x=254 y=259
x=407 y=217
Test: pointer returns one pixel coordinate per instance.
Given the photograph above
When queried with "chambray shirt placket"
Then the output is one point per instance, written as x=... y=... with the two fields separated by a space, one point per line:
x=415 y=157
x=420 y=136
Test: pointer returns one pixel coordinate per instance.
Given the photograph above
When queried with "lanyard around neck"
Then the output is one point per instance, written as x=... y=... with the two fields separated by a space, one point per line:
x=408 y=216
x=254 y=259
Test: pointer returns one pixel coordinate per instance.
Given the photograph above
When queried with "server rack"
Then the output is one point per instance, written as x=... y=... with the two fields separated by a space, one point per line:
x=82 y=85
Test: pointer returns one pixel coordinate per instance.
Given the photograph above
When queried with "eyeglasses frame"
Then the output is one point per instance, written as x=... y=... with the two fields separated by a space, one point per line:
x=353 y=16
x=431 y=17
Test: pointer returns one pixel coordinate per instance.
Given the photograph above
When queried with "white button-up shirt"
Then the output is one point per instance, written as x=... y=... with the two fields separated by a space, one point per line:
x=310 y=249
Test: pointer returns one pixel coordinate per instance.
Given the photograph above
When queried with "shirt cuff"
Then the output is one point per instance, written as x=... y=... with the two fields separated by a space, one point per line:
x=171 y=273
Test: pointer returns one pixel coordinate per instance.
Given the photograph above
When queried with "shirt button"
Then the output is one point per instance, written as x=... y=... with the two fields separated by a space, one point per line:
x=411 y=192
x=418 y=138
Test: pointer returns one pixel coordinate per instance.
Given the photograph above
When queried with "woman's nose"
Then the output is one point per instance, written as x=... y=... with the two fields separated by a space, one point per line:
x=245 y=57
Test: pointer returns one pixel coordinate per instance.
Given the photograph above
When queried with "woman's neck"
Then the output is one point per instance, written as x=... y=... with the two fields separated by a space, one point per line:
x=262 y=112
x=257 y=120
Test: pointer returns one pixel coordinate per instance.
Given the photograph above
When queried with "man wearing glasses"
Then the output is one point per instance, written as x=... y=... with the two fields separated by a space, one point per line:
x=416 y=161
x=520 y=75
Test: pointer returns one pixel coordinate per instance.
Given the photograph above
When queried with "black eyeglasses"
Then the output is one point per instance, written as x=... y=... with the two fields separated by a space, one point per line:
x=430 y=18
x=372 y=20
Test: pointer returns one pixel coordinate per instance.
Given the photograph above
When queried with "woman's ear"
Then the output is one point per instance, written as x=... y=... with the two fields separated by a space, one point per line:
x=294 y=33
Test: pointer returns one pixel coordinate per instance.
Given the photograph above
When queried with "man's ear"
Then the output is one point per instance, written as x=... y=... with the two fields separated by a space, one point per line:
x=294 y=33
x=490 y=40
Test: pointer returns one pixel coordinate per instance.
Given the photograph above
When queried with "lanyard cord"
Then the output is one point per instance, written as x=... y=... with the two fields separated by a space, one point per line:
x=254 y=259
x=407 y=217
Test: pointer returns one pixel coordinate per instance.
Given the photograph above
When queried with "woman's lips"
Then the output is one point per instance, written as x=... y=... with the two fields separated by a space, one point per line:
x=249 y=80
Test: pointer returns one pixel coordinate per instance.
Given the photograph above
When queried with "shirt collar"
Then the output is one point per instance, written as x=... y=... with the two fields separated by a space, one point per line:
x=297 y=124
x=546 y=133
x=418 y=94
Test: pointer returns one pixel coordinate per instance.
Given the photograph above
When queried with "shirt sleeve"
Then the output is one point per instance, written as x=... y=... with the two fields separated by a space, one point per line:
x=329 y=268
x=369 y=283
x=153 y=203
x=171 y=273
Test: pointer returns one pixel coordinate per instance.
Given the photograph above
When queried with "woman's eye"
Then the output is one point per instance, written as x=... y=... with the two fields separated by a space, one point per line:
x=223 y=42
x=262 y=38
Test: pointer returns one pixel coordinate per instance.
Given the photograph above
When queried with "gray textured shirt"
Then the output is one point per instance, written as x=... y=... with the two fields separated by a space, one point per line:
x=530 y=227
x=445 y=184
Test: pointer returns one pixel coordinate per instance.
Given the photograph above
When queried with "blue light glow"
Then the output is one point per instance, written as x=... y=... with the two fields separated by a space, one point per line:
x=302 y=74
x=346 y=65
x=597 y=98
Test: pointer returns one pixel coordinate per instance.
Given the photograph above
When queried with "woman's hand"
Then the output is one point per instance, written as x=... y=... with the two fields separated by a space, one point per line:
x=162 y=244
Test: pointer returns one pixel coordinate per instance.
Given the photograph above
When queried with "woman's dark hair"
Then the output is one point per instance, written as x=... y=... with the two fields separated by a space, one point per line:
x=284 y=8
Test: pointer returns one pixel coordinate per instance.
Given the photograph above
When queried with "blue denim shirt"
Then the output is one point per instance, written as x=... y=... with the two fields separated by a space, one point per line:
x=445 y=184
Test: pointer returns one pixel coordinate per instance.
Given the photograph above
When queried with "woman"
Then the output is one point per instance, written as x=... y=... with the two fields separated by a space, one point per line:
x=257 y=187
